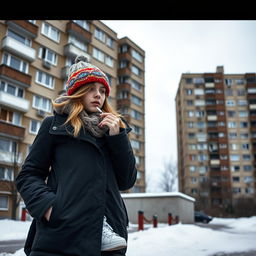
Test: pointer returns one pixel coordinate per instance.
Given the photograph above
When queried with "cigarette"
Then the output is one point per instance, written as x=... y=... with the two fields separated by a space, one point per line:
x=99 y=110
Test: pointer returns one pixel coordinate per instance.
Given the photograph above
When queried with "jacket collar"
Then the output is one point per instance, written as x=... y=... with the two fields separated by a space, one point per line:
x=58 y=127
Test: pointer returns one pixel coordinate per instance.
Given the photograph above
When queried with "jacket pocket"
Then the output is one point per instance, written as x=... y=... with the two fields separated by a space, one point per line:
x=56 y=210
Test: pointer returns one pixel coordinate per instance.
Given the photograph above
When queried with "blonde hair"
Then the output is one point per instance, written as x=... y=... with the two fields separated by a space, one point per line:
x=77 y=107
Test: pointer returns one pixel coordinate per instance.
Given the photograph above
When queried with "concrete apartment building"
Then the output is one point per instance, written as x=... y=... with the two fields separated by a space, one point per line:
x=34 y=60
x=216 y=135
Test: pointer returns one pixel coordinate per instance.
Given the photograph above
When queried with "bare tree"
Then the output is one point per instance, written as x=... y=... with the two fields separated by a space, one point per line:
x=168 y=178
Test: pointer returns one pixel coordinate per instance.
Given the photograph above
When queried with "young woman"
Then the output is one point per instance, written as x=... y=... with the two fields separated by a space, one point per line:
x=79 y=161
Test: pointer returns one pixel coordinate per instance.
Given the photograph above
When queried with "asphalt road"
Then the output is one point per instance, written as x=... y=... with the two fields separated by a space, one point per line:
x=11 y=246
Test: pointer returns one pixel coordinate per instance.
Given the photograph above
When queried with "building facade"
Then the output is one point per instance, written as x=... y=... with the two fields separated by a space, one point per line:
x=216 y=134
x=34 y=60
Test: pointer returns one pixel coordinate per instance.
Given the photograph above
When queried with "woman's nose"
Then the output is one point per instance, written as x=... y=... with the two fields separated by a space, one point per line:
x=97 y=94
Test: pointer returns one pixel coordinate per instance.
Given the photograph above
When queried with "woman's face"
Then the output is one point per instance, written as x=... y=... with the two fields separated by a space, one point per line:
x=95 y=97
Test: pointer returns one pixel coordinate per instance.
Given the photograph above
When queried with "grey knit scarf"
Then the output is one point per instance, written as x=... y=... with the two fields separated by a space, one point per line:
x=90 y=121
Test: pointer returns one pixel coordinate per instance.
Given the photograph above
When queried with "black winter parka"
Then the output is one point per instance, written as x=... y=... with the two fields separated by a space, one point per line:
x=81 y=178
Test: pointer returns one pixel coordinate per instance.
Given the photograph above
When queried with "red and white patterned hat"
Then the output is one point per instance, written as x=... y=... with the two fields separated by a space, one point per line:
x=82 y=73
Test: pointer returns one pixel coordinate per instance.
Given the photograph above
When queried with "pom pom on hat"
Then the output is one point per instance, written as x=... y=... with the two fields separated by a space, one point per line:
x=82 y=72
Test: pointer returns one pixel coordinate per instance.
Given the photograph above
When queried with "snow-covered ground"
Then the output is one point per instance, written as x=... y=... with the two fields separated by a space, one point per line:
x=236 y=235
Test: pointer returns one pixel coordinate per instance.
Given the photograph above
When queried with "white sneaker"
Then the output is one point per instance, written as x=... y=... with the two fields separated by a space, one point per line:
x=110 y=240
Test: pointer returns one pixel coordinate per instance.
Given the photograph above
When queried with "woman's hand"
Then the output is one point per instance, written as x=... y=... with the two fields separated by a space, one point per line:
x=112 y=122
x=48 y=213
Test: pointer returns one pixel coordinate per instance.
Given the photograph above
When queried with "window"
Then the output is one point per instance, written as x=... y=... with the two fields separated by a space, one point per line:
x=246 y=157
x=198 y=80
x=136 y=129
x=199 y=103
x=248 y=168
x=243 y=113
x=230 y=103
x=234 y=146
x=10 y=116
x=191 y=135
x=109 y=61
x=232 y=135
x=123 y=64
x=123 y=48
x=231 y=124
x=136 y=100
x=202 y=169
x=243 y=124
x=3 y=203
x=200 y=113
x=83 y=23
x=136 y=70
x=97 y=54
x=192 y=168
x=188 y=80
x=45 y=79
x=248 y=179
x=228 y=82
x=99 y=34
x=41 y=103
x=234 y=157
x=241 y=92
x=239 y=81
x=136 y=85
x=136 y=55
x=135 y=144
x=189 y=91
x=6 y=173
x=235 y=168
x=34 y=126
x=236 y=190
x=136 y=115
x=11 y=89
x=242 y=102
x=15 y=63
x=50 y=32
x=123 y=95
x=190 y=124
x=48 y=55
x=78 y=43
x=199 y=92
x=19 y=38
x=249 y=190
x=7 y=145
x=190 y=113
x=110 y=42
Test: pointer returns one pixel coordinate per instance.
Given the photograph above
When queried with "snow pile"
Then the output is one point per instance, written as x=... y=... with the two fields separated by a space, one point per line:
x=13 y=230
x=183 y=239
x=232 y=235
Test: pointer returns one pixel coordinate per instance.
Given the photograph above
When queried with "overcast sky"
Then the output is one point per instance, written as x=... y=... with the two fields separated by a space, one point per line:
x=173 y=48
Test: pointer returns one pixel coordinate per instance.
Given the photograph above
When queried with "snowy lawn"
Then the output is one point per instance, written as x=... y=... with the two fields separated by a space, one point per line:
x=239 y=235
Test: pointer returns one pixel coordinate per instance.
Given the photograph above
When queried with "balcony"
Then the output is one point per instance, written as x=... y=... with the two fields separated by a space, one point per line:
x=26 y=27
x=72 y=51
x=79 y=32
x=125 y=55
x=8 y=158
x=14 y=76
x=12 y=131
x=209 y=85
x=11 y=45
x=124 y=86
x=13 y=102
x=124 y=72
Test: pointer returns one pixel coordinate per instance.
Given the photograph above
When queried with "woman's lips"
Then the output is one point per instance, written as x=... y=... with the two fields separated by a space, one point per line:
x=95 y=103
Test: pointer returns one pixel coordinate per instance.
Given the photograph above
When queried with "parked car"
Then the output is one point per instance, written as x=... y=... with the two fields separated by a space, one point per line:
x=202 y=217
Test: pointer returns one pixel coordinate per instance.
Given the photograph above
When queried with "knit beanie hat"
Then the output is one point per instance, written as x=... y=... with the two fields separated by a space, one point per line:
x=82 y=73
